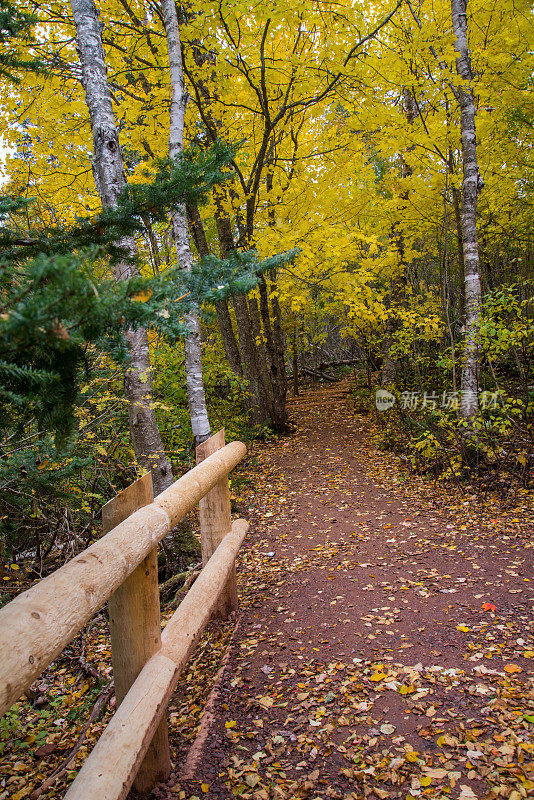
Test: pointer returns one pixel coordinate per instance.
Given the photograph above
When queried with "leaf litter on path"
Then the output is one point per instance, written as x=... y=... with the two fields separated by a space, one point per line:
x=384 y=648
x=385 y=632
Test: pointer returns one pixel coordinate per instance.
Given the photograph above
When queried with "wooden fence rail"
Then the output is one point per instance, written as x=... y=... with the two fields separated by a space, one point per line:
x=39 y=623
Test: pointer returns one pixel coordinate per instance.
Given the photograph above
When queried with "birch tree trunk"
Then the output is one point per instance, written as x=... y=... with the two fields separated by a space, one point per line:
x=457 y=205
x=193 y=350
x=470 y=187
x=108 y=170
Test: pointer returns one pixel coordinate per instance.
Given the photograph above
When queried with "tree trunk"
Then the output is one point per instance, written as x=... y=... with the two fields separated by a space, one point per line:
x=266 y=321
x=108 y=170
x=221 y=306
x=470 y=187
x=259 y=361
x=461 y=266
x=274 y=334
x=274 y=344
x=192 y=345
x=262 y=363
x=456 y=201
x=154 y=246
x=259 y=408
x=278 y=335
x=295 y=362
x=388 y=372
x=228 y=336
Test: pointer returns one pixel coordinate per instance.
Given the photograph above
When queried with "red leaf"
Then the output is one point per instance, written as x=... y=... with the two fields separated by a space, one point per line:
x=489 y=607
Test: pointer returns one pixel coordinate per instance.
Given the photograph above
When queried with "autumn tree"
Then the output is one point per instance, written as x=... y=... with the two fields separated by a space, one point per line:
x=470 y=187
x=200 y=424
x=108 y=170
x=351 y=150
x=238 y=83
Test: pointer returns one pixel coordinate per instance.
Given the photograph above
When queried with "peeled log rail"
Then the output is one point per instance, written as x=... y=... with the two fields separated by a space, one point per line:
x=39 y=623
x=109 y=771
x=215 y=513
x=135 y=627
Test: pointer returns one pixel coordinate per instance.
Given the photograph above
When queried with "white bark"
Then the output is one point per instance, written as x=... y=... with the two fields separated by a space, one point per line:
x=470 y=185
x=108 y=169
x=193 y=350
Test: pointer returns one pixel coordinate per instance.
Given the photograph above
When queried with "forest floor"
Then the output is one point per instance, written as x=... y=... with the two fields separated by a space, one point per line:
x=384 y=638
x=382 y=647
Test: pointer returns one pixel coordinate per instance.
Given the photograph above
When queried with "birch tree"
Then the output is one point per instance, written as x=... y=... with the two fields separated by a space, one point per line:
x=470 y=188
x=200 y=424
x=108 y=170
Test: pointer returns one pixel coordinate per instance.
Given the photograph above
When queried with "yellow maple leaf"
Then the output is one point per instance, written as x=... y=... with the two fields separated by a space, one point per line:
x=143 y=296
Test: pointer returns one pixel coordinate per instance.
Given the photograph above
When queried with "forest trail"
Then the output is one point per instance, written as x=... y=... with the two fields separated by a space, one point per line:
x=385 y=633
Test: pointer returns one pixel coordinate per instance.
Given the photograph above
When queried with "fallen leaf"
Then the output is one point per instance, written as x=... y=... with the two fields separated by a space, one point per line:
x=438 y=774
x=387 y=728
x=266 y=701
x=466 y=793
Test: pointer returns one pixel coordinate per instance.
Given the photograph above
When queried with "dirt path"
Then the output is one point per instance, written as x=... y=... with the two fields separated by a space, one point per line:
x=369 y=661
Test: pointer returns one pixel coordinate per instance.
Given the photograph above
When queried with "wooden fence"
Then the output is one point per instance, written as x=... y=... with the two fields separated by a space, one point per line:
x=122 y=567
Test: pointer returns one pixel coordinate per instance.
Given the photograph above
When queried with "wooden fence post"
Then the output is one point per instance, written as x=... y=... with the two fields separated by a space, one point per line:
x=134 y=617
x=215 y=523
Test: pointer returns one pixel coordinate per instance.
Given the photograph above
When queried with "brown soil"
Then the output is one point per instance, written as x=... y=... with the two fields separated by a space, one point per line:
x=366 y=663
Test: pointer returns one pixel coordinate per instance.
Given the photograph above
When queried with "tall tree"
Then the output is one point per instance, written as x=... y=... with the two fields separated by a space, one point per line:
x=238 y=87
x=221 y=306
x=110 y=179
x=193 y=346
x=399 y=280
x=470 y=188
